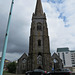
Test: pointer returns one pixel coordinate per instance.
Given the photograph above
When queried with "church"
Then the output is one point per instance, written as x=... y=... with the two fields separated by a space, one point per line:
x=39 y=56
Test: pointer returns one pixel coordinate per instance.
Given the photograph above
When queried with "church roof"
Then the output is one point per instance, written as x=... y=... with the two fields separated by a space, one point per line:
x=23 y=56
x=39 y=9
x=56 y=56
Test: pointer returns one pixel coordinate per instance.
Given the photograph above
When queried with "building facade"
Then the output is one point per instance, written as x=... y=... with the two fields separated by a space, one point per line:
x=39 y=48
x=73 y=57
x=67 y=56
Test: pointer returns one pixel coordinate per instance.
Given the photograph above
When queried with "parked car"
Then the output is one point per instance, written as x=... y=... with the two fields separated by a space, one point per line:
x=67 y=70
x=29 y=73
x=61 y=72
x=36 y=72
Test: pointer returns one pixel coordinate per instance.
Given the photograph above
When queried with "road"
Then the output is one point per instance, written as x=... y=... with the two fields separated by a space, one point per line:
x=73 y=73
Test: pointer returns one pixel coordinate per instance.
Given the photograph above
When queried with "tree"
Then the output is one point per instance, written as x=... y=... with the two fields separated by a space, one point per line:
x=11 y=67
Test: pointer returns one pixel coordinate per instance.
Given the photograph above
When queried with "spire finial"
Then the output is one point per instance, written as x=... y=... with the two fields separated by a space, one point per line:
x=39 y=9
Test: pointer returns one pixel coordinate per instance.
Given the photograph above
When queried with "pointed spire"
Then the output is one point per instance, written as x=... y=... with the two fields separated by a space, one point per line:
x=39 y=9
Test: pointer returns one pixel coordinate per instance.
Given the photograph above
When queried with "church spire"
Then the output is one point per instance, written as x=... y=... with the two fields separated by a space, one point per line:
x=39 y=9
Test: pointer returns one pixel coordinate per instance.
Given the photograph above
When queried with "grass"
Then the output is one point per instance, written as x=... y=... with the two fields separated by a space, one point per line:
x=6 y=73
x=12 y=74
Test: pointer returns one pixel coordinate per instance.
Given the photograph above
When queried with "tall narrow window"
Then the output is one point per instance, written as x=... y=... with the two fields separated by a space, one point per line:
x=39 y=42
x=39 y=60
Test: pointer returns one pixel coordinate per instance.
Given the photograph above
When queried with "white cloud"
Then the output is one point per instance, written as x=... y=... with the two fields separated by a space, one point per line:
x=60 y=36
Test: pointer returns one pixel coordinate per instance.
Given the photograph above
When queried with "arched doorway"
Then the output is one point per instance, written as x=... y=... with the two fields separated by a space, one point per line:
x=39 y=67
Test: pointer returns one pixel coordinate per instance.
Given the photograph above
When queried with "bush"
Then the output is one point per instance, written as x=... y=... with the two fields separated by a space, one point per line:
x=11 y=67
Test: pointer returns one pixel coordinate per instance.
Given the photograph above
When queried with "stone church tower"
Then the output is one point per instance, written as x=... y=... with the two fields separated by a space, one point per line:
x=39 y=47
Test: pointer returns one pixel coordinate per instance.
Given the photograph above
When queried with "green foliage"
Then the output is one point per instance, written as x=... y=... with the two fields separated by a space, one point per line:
x=11 y=67
x=5 y=72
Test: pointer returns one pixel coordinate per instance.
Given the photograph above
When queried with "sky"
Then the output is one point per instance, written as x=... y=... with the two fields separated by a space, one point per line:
x=60 y=20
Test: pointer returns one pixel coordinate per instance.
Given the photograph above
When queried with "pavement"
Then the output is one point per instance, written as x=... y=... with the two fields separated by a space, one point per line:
x=73 y=73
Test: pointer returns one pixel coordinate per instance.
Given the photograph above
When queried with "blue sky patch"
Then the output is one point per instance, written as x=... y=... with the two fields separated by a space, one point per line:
x=58 y=9
x=67 y=25
x=62 y=17
x=55 y=1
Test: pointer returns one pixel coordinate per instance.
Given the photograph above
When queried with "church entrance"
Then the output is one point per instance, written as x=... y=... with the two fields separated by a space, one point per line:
x=39 y=67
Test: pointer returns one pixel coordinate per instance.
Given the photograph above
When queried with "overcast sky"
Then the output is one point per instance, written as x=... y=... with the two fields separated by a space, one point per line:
x=60 y=19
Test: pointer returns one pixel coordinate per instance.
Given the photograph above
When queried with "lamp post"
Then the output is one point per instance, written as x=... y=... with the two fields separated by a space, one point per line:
x=6 y=40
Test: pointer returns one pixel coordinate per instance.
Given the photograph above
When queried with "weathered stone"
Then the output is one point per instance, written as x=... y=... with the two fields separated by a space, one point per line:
x=39 y=31
x=22 y=64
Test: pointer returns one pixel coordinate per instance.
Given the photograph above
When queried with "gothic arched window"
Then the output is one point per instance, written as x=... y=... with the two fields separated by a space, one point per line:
x=24 y=60
x=39 y=27
x=39 y=59
x=39 y=42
